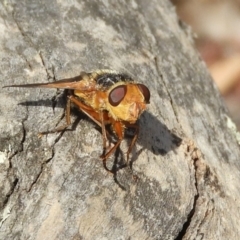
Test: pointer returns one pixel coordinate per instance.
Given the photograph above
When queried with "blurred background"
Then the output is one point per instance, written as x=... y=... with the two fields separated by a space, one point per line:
x=217 y=26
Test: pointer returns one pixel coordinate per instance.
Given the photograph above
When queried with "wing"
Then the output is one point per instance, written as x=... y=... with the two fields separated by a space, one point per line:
x=100 y=79
x=82 y=82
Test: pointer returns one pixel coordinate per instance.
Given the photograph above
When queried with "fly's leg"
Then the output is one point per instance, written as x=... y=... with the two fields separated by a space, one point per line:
x=63 y=127
x=89 y=111
x=119 y=130
x=104 y=133
x=133 y=140
x=101 y=119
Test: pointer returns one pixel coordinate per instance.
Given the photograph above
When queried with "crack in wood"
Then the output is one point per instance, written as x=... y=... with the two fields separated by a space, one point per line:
x=6 y=200
x=10 y=170
x=194 y=155
x=43 y=165
x=45 y=67
x=168 y=93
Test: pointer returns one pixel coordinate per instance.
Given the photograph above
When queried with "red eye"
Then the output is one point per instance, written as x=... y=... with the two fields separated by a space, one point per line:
x=117 y=95
x=145 y=91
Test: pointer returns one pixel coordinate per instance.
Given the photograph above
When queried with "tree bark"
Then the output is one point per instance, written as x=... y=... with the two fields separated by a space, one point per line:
x=185 y=176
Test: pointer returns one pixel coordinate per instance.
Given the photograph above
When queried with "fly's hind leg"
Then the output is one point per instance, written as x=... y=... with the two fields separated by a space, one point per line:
x=63 y=127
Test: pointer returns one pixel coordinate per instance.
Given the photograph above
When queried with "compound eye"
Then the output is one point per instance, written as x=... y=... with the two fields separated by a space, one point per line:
x=145 y=91
x=117 y=95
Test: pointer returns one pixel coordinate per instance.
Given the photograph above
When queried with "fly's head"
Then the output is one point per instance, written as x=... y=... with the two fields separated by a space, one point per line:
x=126 y=101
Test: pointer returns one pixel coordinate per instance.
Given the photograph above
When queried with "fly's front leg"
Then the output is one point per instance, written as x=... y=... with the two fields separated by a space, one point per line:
x=134 y=138
x=104 y=133
x=119 y=130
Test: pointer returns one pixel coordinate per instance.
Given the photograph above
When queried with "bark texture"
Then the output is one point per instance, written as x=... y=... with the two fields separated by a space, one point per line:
x=186 y=158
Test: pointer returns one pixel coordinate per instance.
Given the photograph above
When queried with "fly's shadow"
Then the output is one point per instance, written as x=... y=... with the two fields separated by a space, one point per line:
x=153 y=136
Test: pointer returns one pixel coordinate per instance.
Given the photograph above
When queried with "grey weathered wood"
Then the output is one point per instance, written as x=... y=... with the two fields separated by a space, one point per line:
x=55 y=187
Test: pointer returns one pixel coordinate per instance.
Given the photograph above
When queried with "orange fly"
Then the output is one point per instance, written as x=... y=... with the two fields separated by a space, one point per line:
x=108 y=98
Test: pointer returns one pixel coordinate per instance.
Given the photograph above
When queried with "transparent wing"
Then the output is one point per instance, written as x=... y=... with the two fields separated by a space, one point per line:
x=81 y=83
